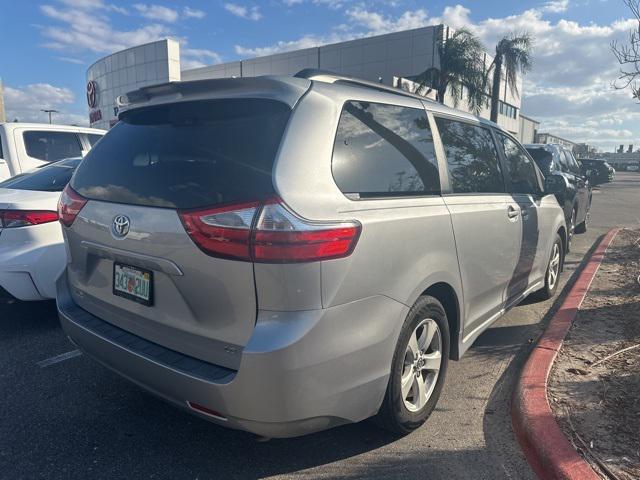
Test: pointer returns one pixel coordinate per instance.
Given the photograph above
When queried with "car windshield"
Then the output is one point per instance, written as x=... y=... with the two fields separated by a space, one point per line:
x=49 y=178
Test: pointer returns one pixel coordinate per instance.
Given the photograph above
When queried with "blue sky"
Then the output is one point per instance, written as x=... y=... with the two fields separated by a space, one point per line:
x=48 y=45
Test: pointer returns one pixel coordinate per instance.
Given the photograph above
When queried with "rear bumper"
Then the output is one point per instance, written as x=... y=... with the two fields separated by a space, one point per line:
x=300 y=372
x=31 y=259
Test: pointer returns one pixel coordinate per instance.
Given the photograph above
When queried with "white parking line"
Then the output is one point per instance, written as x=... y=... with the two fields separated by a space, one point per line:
x=59 y=358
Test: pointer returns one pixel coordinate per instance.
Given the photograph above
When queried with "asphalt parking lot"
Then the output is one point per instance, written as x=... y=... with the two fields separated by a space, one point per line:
x=67 y=417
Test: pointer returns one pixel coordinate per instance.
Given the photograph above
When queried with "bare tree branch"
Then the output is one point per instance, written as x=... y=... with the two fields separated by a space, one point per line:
x=628 y=56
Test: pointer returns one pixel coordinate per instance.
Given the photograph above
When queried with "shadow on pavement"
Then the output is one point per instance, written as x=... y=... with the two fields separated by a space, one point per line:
x=18 y=318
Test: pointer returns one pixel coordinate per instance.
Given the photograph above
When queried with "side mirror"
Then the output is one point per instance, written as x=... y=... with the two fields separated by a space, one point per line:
x=554 y=185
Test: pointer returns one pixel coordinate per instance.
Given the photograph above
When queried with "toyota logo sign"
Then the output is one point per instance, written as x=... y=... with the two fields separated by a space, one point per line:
x=121 y=224
x=92 y=93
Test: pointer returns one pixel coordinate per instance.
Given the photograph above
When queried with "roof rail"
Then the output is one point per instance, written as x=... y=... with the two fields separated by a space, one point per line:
x=333 y=77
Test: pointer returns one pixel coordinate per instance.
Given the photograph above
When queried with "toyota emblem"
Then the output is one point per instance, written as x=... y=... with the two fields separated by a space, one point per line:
x=121 y=224
x=92 y=93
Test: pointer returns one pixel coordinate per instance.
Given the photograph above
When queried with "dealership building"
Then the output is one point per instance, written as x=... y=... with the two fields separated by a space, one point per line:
x=392 y=59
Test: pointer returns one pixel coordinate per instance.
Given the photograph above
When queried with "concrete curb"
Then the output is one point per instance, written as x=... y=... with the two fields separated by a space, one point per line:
x=546 y=447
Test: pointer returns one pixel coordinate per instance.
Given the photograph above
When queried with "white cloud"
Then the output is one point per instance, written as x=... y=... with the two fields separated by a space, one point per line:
x=377 y=23
x=250 y=13
x=197 y=57
x=189 y=12
x=26 y=103
x=157 y=12
x=84 y=29
x=556 y=6
x=77 y=61
x=569 y=88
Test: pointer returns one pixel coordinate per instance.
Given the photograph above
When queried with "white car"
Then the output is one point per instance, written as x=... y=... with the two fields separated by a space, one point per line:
x=32 y=251
x=24 y=146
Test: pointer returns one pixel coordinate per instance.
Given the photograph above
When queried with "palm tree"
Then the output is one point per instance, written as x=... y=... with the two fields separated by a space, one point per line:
x=460 y=71
x=513 y=53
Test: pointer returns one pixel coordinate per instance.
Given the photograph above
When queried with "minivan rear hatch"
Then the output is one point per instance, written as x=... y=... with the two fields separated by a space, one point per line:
x=133 y=264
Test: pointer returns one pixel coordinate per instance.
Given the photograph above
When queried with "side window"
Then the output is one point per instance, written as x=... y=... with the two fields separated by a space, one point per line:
x=1 y=154
x=520 y=168
x=563 y=161
x=93 y=138
x=571 y=162
x=51 y=146
x=472 y=158
x=384 y=150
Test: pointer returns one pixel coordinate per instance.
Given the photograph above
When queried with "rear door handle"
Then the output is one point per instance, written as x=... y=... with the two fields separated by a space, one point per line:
x=512 y=212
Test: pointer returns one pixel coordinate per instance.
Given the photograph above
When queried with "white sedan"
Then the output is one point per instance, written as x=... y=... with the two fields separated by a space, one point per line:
x=32 y=251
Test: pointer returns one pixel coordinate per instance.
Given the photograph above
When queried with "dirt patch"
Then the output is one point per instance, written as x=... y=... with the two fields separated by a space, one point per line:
x=598 y=404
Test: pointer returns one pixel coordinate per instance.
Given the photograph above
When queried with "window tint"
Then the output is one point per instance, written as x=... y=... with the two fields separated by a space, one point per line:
x=562 y=160
x=543 y=158
x=50 y=178
x=187 y=155
x=93 y=138
x=472 y=158
x=571 y=162
x=384 y=150
x=51 y=146
x=520 y=169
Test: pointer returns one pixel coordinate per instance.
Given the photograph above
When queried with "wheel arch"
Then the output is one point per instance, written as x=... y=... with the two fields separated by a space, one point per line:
x=562 y=231
x=447 y=296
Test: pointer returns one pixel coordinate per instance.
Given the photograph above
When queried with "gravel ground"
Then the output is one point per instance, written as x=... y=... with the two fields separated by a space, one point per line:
x=598 y=404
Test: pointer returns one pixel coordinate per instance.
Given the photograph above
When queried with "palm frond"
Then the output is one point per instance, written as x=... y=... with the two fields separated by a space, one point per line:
x=516 y=53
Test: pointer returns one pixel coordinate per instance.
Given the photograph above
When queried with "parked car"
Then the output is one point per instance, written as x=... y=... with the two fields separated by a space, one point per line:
x=24 y=146
x=573 y=188
x=32 y=251
x=598 y=171
x=286 y=254
x=633 y=167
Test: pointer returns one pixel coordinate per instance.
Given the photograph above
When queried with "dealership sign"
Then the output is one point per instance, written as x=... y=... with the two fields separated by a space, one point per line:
x=92 y=101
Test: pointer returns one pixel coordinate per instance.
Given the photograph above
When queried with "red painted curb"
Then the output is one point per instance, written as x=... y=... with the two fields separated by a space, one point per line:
x=546 y=447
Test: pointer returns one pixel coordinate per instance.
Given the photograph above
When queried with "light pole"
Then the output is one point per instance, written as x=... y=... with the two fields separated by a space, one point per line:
x=50 y=112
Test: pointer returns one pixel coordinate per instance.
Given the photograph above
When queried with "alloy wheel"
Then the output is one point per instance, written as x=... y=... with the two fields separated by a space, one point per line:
x=554 y=267
x=422 y=362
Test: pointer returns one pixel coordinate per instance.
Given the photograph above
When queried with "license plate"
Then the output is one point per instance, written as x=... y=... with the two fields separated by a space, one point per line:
x=133 y=283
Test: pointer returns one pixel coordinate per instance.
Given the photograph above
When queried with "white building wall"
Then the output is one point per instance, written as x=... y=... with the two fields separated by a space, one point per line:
x=380 y=58
x=127 y=70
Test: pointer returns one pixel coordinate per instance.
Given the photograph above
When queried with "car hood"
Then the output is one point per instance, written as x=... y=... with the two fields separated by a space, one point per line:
x=28 y=200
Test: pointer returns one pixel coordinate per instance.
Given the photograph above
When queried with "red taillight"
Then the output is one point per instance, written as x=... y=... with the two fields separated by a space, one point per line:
x=25 y=218
x=69 y=206
x=223 y=231
x=268 y=232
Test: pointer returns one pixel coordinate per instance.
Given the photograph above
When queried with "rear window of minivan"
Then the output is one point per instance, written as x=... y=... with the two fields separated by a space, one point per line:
x=187 y=155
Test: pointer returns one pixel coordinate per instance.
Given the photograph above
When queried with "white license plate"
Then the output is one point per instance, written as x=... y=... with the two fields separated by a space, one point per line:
x=133 y=283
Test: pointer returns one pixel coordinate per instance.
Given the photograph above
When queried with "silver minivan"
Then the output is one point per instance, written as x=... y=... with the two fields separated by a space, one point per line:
x=286 y=254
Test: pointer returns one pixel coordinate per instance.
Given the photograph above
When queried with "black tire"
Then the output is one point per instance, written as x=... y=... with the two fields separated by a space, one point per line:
x=394 y=415
x=548 y=291
x=582 y=227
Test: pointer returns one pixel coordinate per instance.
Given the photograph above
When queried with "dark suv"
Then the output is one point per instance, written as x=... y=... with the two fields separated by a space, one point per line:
x=572 y=188
x=597 y=171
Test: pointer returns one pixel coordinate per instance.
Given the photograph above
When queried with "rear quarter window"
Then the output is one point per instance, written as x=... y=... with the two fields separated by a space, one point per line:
x=187 y=155
x=384 y=151
x=93 y=138
x=50 y=146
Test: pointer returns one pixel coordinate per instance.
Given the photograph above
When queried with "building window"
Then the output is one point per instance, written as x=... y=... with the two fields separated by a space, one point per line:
x=507 y=110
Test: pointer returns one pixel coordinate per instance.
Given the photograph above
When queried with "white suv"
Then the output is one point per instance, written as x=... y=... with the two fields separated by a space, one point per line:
x=24 y=146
